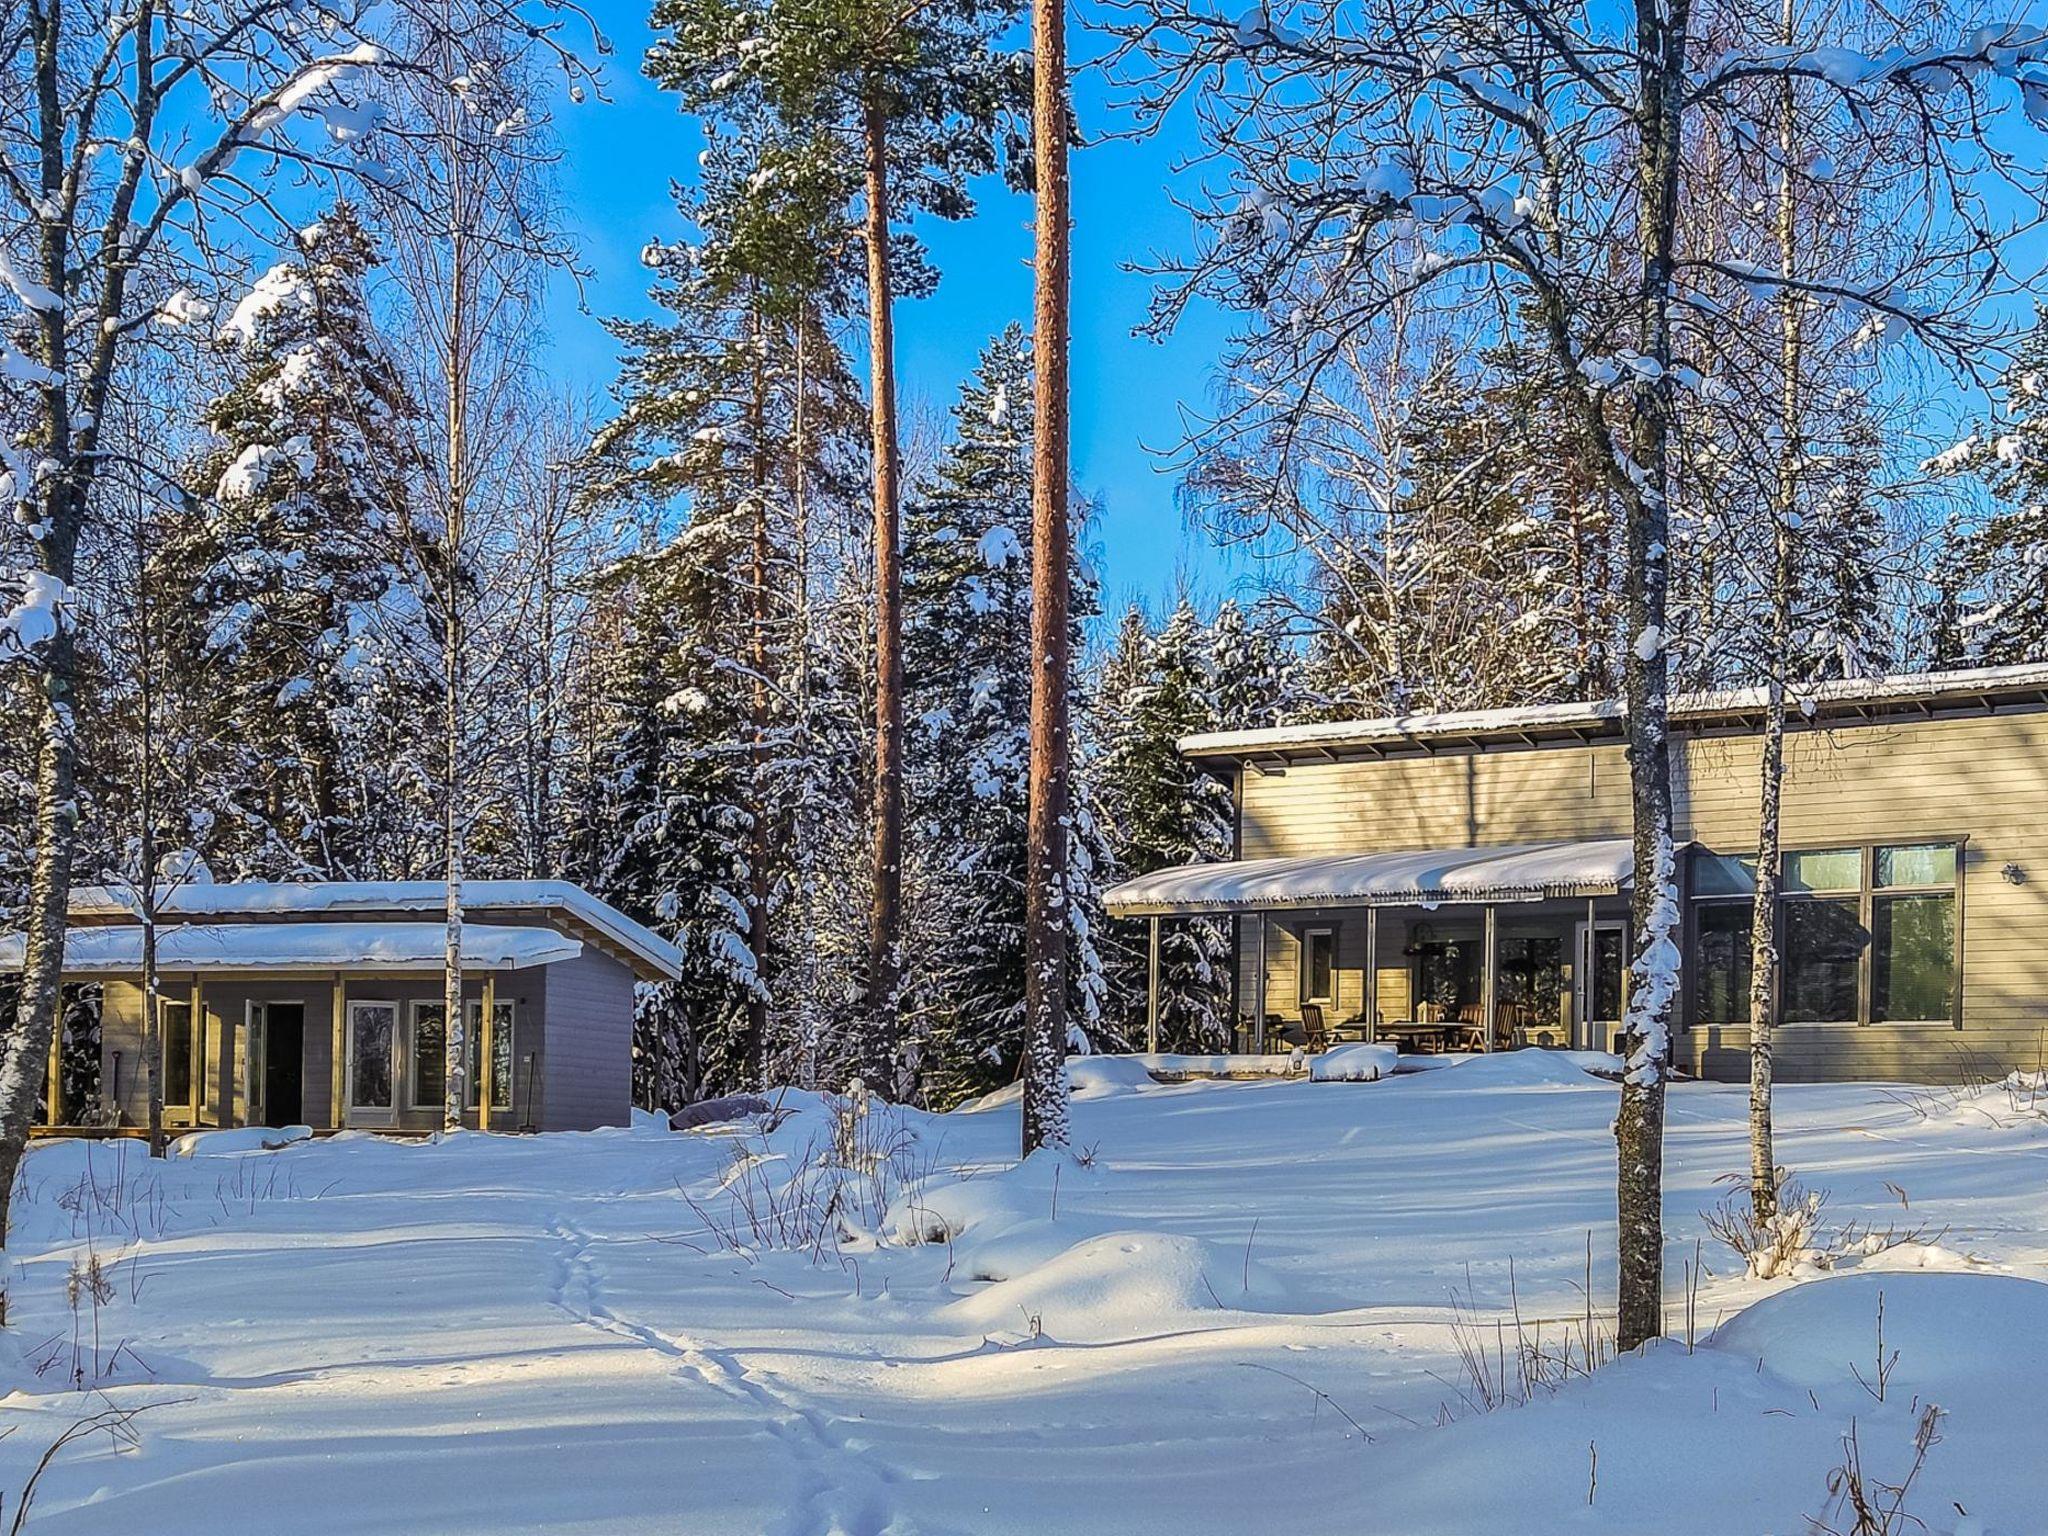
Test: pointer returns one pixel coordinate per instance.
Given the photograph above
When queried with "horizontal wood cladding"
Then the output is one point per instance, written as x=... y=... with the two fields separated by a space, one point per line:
x=1978 y=778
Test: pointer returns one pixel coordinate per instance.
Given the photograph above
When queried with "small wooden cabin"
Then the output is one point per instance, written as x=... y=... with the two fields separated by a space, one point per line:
x=322 y=1003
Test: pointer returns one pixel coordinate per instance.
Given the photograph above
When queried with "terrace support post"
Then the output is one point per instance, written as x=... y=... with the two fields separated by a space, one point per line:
x=1489 y=981
x=338 y=1105
x=1587 y=1040
x=197 y=1077
x=486 y=1044
x=55 y=1087
x=1259 y=991
x=1152 y=991
x=1371 y=988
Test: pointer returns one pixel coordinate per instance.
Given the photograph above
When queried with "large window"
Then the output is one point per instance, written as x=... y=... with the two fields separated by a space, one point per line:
x=372 y=1031
x=429 y=1077
x=1721 y=963
x=1822 y=961
x=1866 y=934
x=1913 y=933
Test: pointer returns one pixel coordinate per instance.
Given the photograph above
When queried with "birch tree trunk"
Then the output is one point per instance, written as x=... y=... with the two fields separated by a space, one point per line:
x=453 y=827
x=884 y=1046
x=1045 y=863
x=1763 y=933
x=1639 y=1126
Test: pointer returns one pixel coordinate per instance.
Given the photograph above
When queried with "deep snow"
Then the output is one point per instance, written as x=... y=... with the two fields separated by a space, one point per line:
x=1241 y=1311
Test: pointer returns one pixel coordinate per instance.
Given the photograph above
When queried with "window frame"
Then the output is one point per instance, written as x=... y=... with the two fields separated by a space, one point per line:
x=1309 y=935
x=1866 y=896
x=473 y=1042
x=414 y=1007
x=351 y=1107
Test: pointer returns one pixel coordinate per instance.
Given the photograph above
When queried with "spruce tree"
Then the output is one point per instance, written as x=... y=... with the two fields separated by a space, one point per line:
x=967 y=590
x=1162 y=811
x=2005 y=560
x=287 y=556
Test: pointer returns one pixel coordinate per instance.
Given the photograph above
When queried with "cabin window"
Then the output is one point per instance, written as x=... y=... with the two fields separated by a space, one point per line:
x=1913 y=933
x=1721 y=962
x=429 y=1055
x=1866 y=935
x=1822 y=949
x=175 y=1023
x=501 y=1052
x=1319 y=965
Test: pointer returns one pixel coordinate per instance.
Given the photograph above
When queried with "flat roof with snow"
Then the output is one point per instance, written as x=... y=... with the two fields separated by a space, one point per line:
x=580 y=914
x=1974 y=691
x=115 y=949
x=1519 y=872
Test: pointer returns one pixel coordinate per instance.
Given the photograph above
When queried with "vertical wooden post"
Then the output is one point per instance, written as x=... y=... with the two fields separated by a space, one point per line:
x=1259 y=991
x=1489 y=980
x=1588 y=1041
x=1372 y=973
x=338 y=1066
x=55 y=1086
x=197 y=1076
x=1152 y=992
x=487 y=1044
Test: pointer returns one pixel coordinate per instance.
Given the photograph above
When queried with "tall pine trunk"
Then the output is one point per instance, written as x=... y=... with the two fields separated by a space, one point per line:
x=755 y=1046
x=1045 y=862
x=1763 y=932
x=1639 y=1126
x=885 y=948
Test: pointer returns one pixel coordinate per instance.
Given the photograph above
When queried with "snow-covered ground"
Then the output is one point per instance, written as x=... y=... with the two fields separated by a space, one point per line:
x=1252 y=1311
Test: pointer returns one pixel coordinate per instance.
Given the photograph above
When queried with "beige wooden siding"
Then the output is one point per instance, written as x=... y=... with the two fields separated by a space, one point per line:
x=1984 y=778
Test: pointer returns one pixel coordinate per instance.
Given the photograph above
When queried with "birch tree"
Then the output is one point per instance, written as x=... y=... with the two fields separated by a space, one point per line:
x=472 y=238
x=1539 y=150
x=136 y=143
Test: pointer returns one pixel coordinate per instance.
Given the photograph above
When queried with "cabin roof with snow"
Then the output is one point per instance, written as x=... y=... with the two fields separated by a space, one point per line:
x=333 y=920
x=1981 y=690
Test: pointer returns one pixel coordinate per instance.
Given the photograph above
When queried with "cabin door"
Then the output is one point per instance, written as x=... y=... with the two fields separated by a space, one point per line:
x=1598 y=981
x=283 y=1064
x=372 y=1063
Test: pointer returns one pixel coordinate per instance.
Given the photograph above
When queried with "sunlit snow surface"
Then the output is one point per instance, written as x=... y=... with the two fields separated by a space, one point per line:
x=539 y=1334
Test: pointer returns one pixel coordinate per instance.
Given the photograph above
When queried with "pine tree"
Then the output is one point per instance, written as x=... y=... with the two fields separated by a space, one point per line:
x=913 y=98
x=289 y=554
x=733 y=417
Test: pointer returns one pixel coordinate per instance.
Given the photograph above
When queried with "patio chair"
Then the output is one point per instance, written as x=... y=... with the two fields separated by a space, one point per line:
x=1315 y=1034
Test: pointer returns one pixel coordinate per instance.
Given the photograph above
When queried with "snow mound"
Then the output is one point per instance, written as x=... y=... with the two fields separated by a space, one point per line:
x=1353 y=1064
x=1119 y=1286
x=1534 y=1067
x=648 y=1122
x=252 y=1138
x=946 y=1209
x=1945 y=1327
x=1088 y=1077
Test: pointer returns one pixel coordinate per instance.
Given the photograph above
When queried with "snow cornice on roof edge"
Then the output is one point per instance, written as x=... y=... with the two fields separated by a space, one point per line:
x=1975 y=690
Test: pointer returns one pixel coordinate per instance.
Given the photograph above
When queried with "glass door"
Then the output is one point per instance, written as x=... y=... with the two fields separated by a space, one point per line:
x=1601 y=948
x=372 y=1062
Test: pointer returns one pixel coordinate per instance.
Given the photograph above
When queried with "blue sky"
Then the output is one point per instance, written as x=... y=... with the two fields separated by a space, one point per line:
x=1129 y=392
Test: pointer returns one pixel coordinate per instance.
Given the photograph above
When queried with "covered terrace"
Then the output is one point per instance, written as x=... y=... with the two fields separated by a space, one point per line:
x=1453 y=948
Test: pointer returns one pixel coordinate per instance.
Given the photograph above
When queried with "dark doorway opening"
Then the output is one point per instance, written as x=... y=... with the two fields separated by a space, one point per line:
x=284 y=1064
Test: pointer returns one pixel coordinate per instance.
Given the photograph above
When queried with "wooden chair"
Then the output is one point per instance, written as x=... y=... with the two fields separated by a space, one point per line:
x=1315 y=1033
